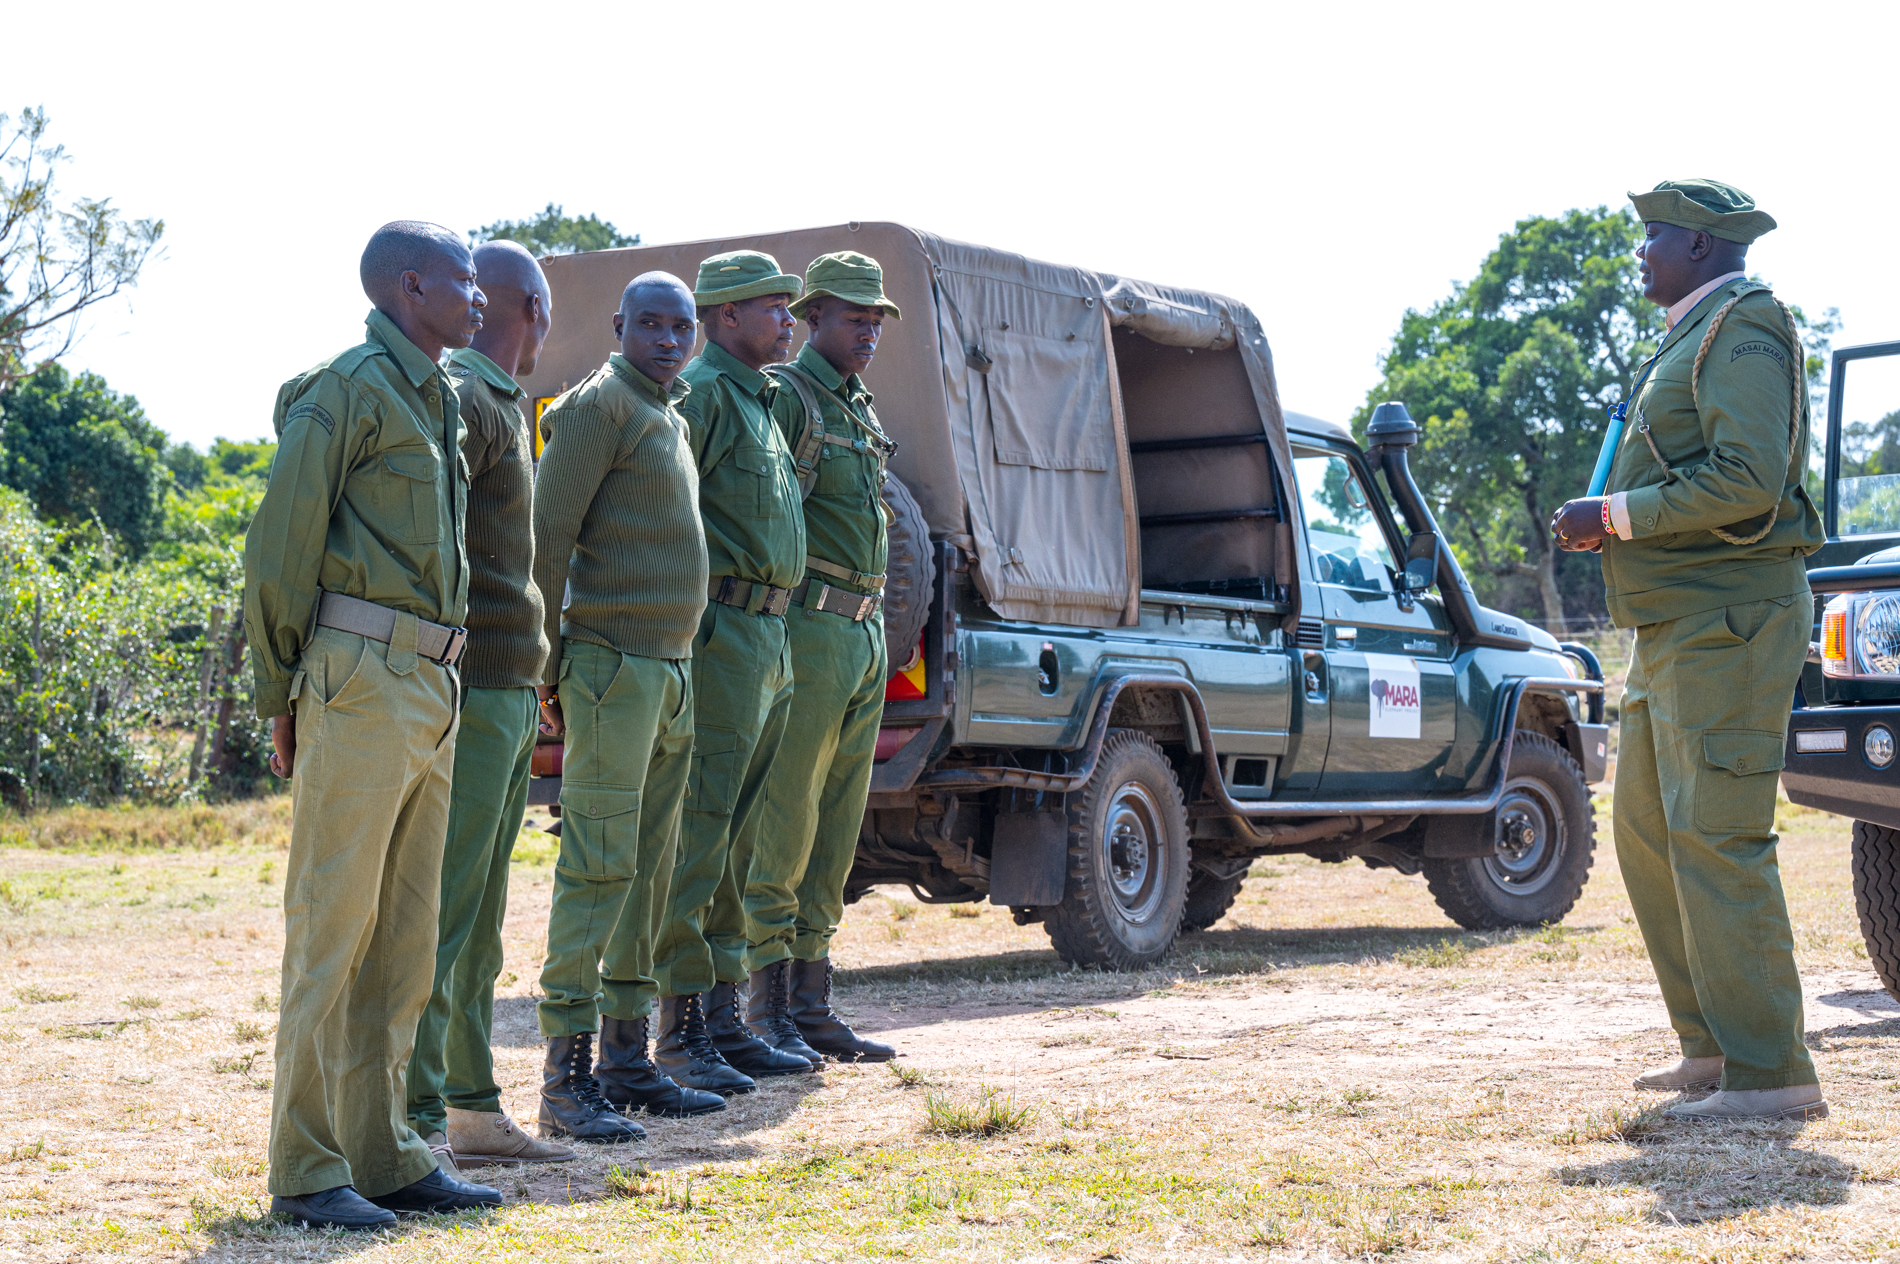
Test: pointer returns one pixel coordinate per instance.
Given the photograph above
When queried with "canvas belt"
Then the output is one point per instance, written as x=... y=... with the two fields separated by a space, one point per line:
x=853 y=606
x=857 y=579
x=747 y=596
x=434 y=641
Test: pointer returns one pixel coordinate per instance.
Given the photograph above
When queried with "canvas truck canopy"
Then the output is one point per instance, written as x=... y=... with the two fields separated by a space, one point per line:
x=1082 y=435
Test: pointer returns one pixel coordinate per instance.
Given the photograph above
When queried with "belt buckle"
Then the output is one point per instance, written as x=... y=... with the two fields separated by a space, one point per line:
x=451 y=653
x=777 y=600
x=865 y=606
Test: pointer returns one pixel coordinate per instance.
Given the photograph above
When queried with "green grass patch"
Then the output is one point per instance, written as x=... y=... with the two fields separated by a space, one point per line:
x=991 y=1114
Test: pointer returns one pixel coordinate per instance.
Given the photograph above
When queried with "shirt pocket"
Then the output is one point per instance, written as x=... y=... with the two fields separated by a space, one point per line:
x=412 y=499
x=757 y=494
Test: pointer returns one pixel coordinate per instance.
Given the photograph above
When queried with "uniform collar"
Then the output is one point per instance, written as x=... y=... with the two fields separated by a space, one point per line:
x=487 y=370
x=820 y=368
x=1683 y=306
x=418 y=368
x=751 y=381
x=644 y=385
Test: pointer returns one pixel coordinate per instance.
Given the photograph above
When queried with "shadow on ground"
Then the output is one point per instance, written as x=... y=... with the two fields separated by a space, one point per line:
x=1704 y=1172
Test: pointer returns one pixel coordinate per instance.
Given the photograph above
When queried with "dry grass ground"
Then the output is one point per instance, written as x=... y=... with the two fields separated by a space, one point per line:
x=1333 y=1072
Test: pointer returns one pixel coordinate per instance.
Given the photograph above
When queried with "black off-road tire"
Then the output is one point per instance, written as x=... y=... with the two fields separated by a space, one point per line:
x=1128 y=860
x=1877 y=899
x=1547 y=841
x=1208 y=899
x=909 y=575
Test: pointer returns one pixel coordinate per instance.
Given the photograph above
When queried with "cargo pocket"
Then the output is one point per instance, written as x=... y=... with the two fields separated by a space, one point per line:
x=417 y=470
x=713 y=784
x=600 y=832
x=1735 y=786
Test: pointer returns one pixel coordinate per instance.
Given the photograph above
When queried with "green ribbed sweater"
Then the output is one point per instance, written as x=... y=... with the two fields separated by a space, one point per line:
x=616 y=519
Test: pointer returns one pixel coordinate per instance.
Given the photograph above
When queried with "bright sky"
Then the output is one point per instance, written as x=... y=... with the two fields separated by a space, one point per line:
x=1330 y=165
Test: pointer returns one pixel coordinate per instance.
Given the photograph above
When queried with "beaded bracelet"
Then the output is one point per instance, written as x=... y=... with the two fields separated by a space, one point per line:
x=1608 y=529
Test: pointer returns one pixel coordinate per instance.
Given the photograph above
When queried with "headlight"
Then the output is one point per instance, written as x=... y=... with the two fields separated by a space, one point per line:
x=1860 y=635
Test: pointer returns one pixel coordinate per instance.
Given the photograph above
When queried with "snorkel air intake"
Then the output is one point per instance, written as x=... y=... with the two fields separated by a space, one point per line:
x=1392 y=434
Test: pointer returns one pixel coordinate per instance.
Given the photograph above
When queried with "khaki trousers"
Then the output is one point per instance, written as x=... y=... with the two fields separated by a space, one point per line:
x=629 y=745
x=453 y=1064
x=1699 y=754
x=370 y=805
x=808 y=831
x=742 y=694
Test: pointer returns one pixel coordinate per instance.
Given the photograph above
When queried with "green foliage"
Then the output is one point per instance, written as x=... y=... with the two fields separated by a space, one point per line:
x=55 y=261
x=554 y=233
x=84 y=453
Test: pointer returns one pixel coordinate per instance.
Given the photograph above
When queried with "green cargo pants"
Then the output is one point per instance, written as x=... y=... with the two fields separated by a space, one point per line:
x=742 y=690
x=369 y=807
x=453 y=1065
x=1699 y=754
x=629 y=743
x=808 y=832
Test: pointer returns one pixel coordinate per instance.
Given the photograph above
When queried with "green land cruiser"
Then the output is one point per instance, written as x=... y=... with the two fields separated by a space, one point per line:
x=1145 y=626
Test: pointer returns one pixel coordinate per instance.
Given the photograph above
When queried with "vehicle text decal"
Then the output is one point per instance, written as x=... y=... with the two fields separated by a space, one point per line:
x=1393 y=705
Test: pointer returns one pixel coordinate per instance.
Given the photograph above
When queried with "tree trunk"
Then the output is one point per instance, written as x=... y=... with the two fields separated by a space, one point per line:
x=1546 y=564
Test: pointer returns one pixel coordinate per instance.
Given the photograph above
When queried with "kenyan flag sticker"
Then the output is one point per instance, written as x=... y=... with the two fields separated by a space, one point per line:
x=1393 y=707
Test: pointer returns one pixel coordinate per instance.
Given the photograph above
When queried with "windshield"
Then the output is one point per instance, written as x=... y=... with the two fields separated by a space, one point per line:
x=1341 y=527
x=1868 y=492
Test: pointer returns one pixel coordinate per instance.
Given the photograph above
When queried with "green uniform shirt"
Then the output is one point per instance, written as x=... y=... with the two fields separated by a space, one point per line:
x=616 y=518
x=366 y=498
x=1730 y=466
x=844 y=515
x=507 y=644
x=748 y=490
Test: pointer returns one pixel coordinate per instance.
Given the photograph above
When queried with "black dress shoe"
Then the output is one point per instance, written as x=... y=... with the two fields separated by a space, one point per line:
x=822 y=1029
x=686 y=1054
x=735 y=1042
x=338 y=1208
x=769 y=1012
x=571 y=1101
x=438 y=1192
x=631 y=1082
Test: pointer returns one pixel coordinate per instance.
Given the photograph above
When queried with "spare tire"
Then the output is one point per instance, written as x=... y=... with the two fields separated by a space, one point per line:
x=909 y=575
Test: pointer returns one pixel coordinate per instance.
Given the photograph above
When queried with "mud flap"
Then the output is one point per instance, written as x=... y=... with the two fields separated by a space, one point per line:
x=1029 y=858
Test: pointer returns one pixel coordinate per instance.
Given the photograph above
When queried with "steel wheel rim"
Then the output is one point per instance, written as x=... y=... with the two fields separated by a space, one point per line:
x=1531 y=839
x=1132 y=844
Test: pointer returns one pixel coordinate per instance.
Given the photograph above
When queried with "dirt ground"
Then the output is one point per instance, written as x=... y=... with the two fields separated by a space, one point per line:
x=1332 y=1072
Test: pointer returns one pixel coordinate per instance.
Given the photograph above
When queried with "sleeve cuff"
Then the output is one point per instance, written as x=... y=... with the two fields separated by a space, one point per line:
x=1641 y=509
x=1620 y=515
x=273 y=698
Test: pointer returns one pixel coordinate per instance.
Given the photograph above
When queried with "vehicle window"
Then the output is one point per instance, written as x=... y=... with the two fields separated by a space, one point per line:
x=1341 y=527
x=1869 y=487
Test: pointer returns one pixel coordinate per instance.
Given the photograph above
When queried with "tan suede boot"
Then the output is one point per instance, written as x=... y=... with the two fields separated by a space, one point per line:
x=444 y=1153
x=481 y=1137
x=1797 y=1101
x=1685 y=1076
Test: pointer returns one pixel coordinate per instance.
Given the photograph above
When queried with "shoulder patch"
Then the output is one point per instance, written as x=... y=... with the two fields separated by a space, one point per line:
x=315 y=412
x=1758 y=348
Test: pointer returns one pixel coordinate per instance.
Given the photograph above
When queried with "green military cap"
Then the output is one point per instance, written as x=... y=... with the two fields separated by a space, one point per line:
x=1710 y=206
x=741 y=274
x=848 y=275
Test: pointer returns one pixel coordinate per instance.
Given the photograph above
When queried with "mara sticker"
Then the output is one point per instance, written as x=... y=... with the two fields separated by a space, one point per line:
x=1393 y=705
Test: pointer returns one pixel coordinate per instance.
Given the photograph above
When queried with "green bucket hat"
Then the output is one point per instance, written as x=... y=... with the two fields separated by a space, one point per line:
x=738 y=275
x=848 y=275
x=1709 y=206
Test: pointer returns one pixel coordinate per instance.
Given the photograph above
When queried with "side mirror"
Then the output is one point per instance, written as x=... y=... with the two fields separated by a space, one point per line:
x=1420 y=574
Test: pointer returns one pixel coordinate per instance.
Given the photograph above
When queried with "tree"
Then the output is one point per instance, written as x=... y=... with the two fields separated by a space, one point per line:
x=55 y=262
x=82 y=452
x=553 y=233
x=1512 y=377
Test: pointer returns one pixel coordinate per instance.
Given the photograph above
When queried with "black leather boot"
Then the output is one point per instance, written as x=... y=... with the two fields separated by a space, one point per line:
x=631 y=1082
x=769 y=1011
x=822 y=1029
x=736 y=1043
x=571 y=1104
x=685 y=1050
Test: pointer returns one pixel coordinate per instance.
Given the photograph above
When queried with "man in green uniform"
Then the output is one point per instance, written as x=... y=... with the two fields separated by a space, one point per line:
x=742 y=672
x=355 y=586
x=1702 y=539
x=616 y=528
x=454 y=1101
x=815 y=796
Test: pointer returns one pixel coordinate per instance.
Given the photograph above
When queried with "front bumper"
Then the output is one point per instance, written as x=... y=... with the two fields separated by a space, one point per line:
x=1843 y=781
